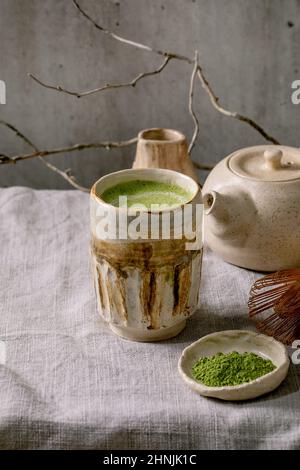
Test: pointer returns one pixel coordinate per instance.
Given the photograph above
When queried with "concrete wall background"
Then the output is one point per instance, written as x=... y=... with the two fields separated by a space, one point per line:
x=249 y=50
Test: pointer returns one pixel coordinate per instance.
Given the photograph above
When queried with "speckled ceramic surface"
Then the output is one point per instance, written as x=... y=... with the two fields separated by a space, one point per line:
x=252 y=208
x=164 y=148
x=240 y=341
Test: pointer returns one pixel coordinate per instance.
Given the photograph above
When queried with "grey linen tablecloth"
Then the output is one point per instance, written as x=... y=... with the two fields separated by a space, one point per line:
x=69 y=383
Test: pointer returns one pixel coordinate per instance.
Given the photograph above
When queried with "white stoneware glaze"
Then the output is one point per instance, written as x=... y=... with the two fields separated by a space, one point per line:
x=252 y=208
x=146 y=288
x=164 y=148
x=240 y=341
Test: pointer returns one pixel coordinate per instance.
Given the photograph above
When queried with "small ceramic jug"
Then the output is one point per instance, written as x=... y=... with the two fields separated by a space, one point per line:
x=146 y=287
x=164 y=148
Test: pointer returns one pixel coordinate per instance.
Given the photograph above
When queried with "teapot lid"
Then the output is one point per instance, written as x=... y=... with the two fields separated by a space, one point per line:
x=266 y=163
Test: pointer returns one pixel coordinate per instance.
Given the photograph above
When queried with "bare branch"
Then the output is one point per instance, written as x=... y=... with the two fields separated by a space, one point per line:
x=197 y=69
x=202 y=166
x=215 y=102
x=108 y=86
x=191 y=105
x=19 y=134
x=206 y=85
x=94 y=145
x=4 y=158
x=128 y=41
x=65 y=174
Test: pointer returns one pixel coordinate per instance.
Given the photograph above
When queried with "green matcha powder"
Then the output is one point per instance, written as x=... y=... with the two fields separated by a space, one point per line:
x=230 y=369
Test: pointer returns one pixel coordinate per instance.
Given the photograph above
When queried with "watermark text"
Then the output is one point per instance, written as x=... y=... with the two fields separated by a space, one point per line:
x=2 y=92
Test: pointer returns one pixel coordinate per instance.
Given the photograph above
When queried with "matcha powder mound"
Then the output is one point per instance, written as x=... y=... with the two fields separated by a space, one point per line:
x=230 y=369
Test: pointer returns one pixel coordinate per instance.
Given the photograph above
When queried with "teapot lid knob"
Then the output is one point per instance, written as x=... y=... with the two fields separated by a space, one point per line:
x=266 y=163
x=273 y=158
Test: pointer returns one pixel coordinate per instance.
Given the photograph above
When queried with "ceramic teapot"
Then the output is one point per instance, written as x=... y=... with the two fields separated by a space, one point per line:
x=252 y=208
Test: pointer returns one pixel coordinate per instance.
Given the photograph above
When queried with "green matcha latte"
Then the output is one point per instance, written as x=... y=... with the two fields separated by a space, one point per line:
x=146 y=193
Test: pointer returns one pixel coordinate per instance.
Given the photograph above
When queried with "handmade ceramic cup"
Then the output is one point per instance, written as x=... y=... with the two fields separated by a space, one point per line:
x=147 y=286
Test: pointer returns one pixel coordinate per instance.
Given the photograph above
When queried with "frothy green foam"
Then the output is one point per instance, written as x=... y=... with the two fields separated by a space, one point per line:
x=146 y=193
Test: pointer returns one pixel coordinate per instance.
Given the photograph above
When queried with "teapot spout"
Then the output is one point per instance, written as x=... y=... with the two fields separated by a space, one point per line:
x=228 y=217
x=215 y=205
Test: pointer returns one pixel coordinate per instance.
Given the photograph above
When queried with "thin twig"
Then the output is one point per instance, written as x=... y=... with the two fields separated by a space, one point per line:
x=128 y=41
x=191 y=104
x=206 y=85
x=65 y=174
x=215 y=102
x=108 y=86
x=5 y=159
x=18 y=134
x=94 y=145
x=202 y=166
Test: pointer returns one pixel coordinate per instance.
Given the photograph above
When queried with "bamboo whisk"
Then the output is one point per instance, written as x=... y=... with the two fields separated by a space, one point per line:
x=274 y=304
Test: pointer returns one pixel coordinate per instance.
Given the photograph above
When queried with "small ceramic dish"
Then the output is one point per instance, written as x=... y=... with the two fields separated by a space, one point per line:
x=240 y=341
